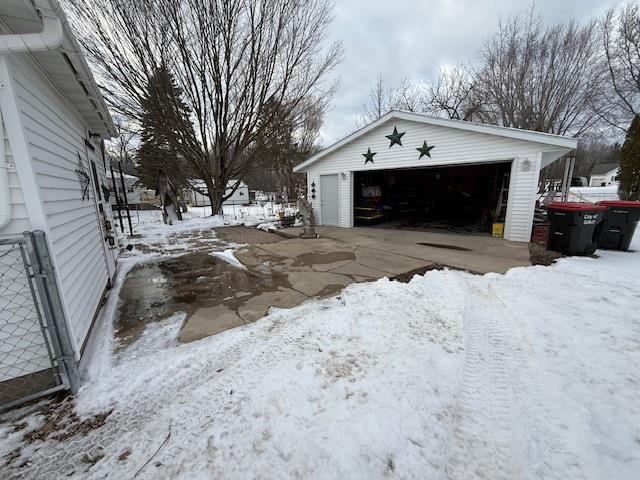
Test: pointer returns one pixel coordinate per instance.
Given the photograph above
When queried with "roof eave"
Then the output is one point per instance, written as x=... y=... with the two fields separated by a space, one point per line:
x=525 y=135
x=88 y=77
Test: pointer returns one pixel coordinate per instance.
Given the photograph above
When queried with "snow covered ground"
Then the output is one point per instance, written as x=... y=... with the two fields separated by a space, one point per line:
x=149 y=229
x=149 y=222
x=594 y=194
x=529 y=375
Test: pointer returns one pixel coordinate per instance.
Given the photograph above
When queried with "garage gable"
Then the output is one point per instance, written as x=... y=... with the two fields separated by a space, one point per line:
x=452 y=142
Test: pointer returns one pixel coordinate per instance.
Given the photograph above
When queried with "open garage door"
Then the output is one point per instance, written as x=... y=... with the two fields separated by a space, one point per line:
x=465 y=198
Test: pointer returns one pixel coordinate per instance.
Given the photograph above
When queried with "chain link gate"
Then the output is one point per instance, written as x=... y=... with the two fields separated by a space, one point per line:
x=32 y=353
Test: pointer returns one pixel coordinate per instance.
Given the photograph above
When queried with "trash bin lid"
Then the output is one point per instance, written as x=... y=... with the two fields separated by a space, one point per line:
x=620 y=203
x=576 y=206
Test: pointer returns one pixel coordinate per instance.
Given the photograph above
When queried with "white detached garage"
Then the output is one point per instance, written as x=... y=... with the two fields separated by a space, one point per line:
x=414 y=170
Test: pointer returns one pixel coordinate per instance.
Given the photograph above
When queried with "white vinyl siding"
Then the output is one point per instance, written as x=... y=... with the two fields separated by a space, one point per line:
x=452 y=146
x=19 y=217
x=55 y=141
x=345 y=201
x=522 y=198
x=313 y=182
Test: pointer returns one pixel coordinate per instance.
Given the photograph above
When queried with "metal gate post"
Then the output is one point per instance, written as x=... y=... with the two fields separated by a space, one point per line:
x=45 y=276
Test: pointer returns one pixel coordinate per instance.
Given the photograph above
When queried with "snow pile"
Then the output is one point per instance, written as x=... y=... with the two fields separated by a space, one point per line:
x=196 y=227
x=247 y=214
x=594 y=194
x=532 y=374
x=228 y=256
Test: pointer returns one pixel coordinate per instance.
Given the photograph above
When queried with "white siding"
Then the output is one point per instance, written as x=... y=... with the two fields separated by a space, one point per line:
x=55 y=142
x=239 y=197
x=313 y=182
x=522 y=198
x=19 y=217
x=345 y=200
x=451 y=146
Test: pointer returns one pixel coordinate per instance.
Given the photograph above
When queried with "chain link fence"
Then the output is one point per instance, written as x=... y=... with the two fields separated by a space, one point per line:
x=30 y=356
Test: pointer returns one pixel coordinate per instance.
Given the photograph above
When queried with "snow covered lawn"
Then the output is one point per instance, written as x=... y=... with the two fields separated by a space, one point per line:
x=148 y=223
x=532 y=374
x=594 y=194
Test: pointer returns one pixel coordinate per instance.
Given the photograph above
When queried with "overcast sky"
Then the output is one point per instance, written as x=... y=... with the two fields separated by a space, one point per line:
x=413 y=38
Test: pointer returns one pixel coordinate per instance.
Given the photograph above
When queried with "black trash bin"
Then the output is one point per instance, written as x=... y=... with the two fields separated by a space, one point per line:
x=572 y=227
x=619 y=222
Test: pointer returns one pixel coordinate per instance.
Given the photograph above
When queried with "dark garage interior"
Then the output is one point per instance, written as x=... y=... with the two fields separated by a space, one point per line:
x=469 y=198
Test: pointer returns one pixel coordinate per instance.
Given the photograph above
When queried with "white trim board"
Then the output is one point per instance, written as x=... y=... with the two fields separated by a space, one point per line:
x=514 y=133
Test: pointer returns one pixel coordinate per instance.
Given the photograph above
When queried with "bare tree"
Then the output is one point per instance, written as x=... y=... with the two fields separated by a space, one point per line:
x=538 y=78
x=281 y=149
x=231 y=60
x=407 y=95
x=379 y=103
x=452 y=94
x=122 y=148
x=620 y=94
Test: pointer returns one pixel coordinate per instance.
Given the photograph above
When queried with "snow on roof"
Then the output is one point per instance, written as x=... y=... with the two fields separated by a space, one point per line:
x=516 y=133
x=125 y=175
x=603 y=168
x=230 y=183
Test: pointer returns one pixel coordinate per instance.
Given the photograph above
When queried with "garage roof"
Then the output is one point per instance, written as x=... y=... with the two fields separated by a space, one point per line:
x=603 y=168
x=515 y=133
x=65 y=65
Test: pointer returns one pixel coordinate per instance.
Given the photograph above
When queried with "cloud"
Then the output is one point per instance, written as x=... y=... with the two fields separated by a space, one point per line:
x=413 y=38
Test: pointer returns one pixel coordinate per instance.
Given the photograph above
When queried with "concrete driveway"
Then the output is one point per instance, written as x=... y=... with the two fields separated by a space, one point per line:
x=475 y=253
x=322 y=267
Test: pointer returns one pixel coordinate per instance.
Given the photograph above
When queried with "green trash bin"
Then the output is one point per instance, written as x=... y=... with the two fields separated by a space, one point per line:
x=618 y=224
x=572 y=227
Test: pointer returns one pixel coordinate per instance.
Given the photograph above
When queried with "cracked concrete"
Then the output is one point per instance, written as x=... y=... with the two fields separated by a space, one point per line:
x=283 y=273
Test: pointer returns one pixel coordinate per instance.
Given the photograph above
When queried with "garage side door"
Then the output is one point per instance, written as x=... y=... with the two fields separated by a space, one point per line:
x=329 y=199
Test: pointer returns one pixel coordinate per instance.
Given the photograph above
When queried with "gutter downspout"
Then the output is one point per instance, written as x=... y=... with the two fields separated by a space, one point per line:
x=50 y=38
x=6 y=211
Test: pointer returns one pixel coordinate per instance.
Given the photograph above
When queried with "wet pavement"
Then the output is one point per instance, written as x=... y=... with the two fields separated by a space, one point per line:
x=187 y=275
x=157 y=289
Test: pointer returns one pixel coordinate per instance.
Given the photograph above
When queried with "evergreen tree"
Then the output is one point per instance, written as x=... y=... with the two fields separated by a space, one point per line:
x=629 y=188
x=162 y=106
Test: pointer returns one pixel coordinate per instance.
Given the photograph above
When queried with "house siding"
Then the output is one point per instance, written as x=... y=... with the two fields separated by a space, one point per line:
x=19 y=217
x=55 y=142
x=452 y=146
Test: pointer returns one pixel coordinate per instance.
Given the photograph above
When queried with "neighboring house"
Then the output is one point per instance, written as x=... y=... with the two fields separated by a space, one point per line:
x=134 y=191
x=441 y=173
x=53 y=121
x=196 y=199
x=604 y=175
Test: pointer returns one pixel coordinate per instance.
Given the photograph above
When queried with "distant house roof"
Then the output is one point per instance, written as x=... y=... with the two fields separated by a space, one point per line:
x=61 y=60
x=604 y=168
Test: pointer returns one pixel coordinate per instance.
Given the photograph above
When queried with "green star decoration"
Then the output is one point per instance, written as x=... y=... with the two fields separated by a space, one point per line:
x=368 y=156
x=395 y=137
x=424 y=150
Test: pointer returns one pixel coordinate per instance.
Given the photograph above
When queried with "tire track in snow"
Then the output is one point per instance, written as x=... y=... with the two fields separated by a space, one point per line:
x=485 y=442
